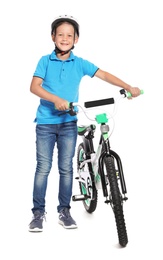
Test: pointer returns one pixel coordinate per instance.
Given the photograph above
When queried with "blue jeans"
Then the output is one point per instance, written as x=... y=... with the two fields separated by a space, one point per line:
x=64 y=135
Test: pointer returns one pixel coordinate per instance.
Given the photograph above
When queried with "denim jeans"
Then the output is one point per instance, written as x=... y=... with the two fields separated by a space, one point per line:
x=64 y=136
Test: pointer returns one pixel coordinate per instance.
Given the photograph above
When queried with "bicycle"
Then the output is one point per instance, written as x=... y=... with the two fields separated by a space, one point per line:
x=100 y=169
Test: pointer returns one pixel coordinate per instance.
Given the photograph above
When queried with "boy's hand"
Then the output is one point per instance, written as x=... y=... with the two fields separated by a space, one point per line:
x=135 y=92
x=61 y=104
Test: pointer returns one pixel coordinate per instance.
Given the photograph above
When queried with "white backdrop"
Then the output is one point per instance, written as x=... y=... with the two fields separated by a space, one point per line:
x=124 y=38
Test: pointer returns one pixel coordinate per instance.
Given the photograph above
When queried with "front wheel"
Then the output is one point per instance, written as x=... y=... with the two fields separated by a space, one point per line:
x=86 y=182
x=115 y=199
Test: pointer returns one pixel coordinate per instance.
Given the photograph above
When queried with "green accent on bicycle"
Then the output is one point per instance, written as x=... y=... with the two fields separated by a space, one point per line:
x=102 y=118
x=105 y=135
x=81 y=156
x=84 y=192
x=93 y=127
x=98 y=178
x=129 y=94
x=80 y=129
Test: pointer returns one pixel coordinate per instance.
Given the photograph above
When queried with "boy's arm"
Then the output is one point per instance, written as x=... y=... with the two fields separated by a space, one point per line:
x=37 y=89
x=106 y=76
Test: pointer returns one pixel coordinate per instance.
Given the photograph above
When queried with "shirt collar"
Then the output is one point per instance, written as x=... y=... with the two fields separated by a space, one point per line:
x=53 y=56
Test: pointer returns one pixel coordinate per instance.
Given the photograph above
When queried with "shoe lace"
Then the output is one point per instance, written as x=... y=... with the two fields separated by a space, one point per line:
x=38 y=216
x=66 y=212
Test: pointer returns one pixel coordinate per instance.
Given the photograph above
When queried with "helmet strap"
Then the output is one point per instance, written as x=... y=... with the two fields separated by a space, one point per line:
x=57 y=50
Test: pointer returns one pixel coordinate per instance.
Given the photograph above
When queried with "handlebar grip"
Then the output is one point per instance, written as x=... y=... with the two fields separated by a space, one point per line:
x=101 y=102
x=129 y=94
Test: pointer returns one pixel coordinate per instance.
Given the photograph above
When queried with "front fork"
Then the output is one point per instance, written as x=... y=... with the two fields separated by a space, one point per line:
x=120 y=171
x=119 y=165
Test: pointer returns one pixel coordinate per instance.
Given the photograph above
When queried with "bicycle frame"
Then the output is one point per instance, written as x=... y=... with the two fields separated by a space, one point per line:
x=95 y=159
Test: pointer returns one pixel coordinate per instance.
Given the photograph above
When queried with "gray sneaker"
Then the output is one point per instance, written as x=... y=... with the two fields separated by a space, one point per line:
x=36 y=225
x=66 y=220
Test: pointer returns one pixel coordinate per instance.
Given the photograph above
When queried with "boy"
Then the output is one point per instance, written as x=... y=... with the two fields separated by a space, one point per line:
x=56 y=82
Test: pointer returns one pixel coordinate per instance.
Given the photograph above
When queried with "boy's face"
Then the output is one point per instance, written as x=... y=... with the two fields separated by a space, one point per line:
x=65 y=37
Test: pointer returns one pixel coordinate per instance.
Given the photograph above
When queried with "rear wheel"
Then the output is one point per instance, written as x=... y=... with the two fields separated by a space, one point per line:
x=116 y=201
x=86 y=185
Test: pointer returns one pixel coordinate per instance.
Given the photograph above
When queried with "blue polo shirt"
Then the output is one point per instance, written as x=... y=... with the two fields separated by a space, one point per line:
x=61 y=78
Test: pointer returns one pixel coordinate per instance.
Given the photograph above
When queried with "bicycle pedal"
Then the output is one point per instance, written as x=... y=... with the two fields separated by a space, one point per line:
x=107 y=201
x=80 y=197
x=125 y=198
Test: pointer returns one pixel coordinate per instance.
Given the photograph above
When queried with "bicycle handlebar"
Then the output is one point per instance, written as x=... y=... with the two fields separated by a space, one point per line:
x=95 y=103
x=107 y=101
x=100 y=102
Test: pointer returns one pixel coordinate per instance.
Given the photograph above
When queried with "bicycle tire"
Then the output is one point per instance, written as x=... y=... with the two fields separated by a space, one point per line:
x=116 y=201
x=90 y=204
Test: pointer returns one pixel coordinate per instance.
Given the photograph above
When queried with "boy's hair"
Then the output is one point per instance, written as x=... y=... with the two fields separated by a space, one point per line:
x=65 y=18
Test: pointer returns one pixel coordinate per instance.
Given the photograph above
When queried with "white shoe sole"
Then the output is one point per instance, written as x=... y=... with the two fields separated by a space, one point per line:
x=35 y=230
x=67 y=227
